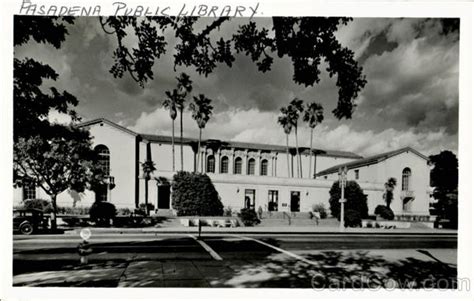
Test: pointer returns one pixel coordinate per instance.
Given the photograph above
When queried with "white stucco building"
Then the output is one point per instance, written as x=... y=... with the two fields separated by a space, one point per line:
x=245 y=172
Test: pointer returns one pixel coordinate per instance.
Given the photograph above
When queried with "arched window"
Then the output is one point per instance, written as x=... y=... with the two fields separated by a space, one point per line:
x=238 y=166
x=264 y=167
x=211 y=164
x=103 y=155
x=224 y=165
x=251 y=166
x=406 y=175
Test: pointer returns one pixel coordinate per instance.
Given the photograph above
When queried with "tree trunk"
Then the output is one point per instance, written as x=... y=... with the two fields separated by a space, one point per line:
x=298 y=158
x=310 y=153
x=146 y=198
x=54 y=225
x=172 y=142
x=288 y=155
x=181 y=136
x=199 y=149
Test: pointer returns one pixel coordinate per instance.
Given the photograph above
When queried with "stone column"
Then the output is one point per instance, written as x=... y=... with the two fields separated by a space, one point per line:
x=245 y=163
x=232 y=162
x=217 y=156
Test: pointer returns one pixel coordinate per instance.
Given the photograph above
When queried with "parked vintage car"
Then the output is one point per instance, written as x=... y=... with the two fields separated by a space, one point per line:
x=28 y=221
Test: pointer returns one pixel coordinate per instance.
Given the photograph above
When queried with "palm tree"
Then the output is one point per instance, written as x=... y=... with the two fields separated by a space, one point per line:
x=201 y=112
x=184 y=88
x=389 y=187
x=148 y=167
x=295 y=109
x=284 y=121
x=313 y=115
x=170 y=104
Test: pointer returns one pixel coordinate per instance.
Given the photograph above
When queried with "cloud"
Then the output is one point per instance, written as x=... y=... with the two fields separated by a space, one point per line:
x=411 y=97
x=261 y=127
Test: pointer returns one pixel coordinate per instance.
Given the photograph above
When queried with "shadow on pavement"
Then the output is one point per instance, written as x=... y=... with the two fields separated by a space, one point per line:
x=181 y=262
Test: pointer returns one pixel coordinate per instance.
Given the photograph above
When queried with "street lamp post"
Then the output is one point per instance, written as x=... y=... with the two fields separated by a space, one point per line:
x=342 y=183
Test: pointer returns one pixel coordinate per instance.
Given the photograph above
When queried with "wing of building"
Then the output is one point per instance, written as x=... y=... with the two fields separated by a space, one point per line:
x=259 y=175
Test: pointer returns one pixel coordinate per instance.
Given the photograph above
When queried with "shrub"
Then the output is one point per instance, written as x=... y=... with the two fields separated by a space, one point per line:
x=228 y=211
x=249 y=217
x=352 y=218
x=40 y=204
x=102 y=212
x=356 y=199
x=384 y=212
x=73 y=210
x=321 y=209
x=194 y=194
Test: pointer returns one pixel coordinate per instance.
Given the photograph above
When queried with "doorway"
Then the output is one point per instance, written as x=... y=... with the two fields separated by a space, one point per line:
x=295 y=201
x=249 y=200
x=164 y=196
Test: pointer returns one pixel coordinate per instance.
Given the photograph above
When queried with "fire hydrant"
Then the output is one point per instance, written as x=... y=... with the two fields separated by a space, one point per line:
x=84 y=248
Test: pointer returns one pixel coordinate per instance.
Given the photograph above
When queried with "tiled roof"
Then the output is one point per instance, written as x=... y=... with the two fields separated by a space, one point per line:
x=227 y=144
x=370 y=160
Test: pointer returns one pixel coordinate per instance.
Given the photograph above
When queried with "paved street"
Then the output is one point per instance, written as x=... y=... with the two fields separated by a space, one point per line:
x=235 y=260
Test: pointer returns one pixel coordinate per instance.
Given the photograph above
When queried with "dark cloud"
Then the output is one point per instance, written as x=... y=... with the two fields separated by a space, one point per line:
x=411 y=67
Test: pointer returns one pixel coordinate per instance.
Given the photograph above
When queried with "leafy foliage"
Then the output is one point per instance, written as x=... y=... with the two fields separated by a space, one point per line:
x=249 y=217
x=444 y=179
x=31 y=104
x=65 y=161
x=102 y=212
x=356 y=199
x=389 y=187
x=313 y=114
x=384 y=212
x=321 y=208
x=194 y=194
x=306 y=41
x=352 y=218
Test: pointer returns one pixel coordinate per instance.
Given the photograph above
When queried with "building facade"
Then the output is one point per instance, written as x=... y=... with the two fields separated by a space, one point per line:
x=244 y=174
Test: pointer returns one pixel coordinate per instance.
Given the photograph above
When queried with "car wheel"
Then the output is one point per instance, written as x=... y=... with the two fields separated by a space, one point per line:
x=26 y=228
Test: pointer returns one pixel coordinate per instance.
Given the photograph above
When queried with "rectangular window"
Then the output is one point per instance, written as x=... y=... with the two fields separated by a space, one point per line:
x=356 y=172
x=273 y=200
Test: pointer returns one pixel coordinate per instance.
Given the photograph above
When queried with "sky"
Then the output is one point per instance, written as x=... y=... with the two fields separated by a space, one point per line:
x=411 y=96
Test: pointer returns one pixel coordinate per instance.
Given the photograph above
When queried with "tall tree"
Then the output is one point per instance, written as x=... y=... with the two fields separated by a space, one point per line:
x=313 y=115
x=389 y=187
x=148 y=167
x=284 y=121
x=294 y=110
x=62 y=161
x=170 y=103
x=184 y=88
x=201 y=110
x=306 y=41
x=444 y=179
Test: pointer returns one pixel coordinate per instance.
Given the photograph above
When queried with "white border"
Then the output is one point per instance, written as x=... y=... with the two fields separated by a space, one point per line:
x=277 y=7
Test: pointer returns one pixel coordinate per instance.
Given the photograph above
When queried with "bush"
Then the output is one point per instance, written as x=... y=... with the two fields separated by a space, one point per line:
x=102 y=212
x=249 y=217
x=228 y=211
x=73 y=210
x=321 y=209
x=40 y=204
x=352 y=218
x=194 y=194
x=356 y=199
x=384 y=212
